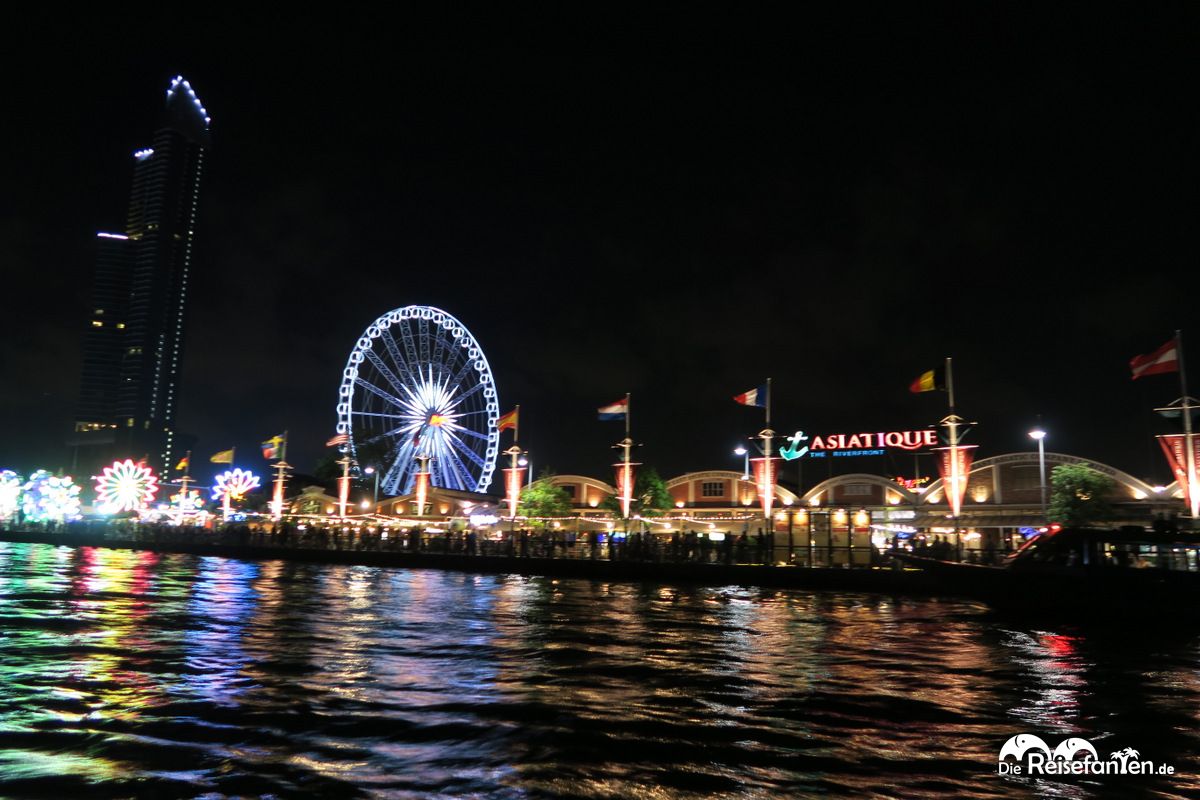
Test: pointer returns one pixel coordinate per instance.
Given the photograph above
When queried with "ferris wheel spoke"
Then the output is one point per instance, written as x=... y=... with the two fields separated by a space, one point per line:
x=461 y=374
x=410 y=347
x=466 y=450
x=468 y=393
x=468 y=432
x=384 y=370
x=393 y=349
x=397 y=473
x=463 y=473
x=379 y=414
x=370 y=387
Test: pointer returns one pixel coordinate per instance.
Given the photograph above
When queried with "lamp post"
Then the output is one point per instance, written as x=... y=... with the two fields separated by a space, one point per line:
x=742 y=451
x=1040 y=436
x=375 y=472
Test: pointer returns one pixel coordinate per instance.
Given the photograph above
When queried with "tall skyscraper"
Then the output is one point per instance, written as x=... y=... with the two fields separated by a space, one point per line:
x=133 y=344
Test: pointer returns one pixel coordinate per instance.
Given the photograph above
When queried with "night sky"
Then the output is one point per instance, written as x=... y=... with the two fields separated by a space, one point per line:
x=677 y=209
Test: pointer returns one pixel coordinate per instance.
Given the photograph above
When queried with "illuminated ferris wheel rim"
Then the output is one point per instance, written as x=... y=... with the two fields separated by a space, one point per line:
x=429 y=401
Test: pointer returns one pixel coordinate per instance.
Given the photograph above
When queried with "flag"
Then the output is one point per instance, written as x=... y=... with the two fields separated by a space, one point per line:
x=614 y=411
x=271 y=446
x=341 y=438
x=509 y=420
x=1164 y=359
x=933 y=380
x=755 y=397
x=182 y=465
x=223 y=457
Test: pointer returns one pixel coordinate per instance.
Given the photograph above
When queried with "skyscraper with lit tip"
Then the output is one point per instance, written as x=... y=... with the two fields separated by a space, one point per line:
x=134 y=337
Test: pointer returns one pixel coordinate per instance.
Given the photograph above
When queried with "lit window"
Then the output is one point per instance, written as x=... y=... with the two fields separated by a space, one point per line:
x=99 y=312
x=712 y=489
x=121 y=326
x=97 y=323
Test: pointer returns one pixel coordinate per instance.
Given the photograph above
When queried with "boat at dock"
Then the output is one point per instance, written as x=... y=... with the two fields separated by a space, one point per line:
x=1128 y=571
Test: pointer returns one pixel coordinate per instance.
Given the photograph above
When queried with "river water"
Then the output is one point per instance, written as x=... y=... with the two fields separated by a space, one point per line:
x=131 y=674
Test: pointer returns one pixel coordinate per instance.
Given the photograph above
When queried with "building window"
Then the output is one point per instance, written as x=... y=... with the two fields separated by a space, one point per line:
x=712 y=489
x=570 y=489
x=859 y=489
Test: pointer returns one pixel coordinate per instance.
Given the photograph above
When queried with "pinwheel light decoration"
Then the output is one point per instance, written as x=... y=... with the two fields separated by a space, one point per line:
x=125 y=486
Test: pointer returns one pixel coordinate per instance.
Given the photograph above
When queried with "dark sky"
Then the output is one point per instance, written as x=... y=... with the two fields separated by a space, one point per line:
x=677 y=208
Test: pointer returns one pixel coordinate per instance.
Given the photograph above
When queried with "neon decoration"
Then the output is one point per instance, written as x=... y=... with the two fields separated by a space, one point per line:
x=905 y=440
x=625 y=471
x=422 y=480
x=793 y=450
x=49 y=498
x=10 y=493
x=125 y=486
x=233 y=485
x=189 y=503
x=1174 y=447
x=765 y=472
x=418 y=383
x=512 y=480
x=956 y=467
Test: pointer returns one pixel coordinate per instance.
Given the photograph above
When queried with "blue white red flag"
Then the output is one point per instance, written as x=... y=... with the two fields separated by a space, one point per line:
x=755 y=397
x=616 y=410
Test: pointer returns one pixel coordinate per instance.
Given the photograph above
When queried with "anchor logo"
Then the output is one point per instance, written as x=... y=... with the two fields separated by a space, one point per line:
x=794 y=450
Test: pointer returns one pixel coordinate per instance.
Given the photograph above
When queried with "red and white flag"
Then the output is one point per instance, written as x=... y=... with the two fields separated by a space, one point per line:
x=341 y=438
x=1164 y=359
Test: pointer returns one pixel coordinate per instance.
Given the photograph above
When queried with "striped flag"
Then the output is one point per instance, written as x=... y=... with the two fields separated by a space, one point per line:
x=270 y=447
x=614 y=411
x=509 y=420
x=932 y=381
x=1164 y=359
x=755 y=397
x=341 y=438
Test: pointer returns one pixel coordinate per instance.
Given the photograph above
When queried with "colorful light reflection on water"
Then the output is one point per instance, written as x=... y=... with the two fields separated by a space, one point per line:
x=132 y=674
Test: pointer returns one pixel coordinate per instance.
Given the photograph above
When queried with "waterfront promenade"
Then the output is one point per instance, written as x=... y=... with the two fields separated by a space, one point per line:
x=522 y=553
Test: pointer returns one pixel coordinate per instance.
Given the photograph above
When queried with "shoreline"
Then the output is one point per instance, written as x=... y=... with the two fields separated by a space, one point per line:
x=856 y=579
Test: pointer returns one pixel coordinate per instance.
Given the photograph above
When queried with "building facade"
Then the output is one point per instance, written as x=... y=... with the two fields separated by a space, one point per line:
x=133 y=342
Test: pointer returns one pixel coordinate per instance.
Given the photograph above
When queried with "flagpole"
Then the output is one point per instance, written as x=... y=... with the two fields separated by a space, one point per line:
x=628 y=443
x=183 y=482
x=344 y=489
x=281 y=467
x=952 y=425
x=1193 y=492
x=768 y=485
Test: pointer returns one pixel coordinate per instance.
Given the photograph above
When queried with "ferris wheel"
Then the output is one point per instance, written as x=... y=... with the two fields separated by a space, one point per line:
x=418 y=386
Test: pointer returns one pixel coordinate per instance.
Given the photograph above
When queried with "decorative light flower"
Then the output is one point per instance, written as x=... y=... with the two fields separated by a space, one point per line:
x=125 y=486
x=10 y=493
x=50 y=498
x=234 y=483
x=189 y=503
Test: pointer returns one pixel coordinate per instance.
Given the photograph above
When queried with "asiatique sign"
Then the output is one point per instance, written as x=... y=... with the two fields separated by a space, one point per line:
x=856 y=444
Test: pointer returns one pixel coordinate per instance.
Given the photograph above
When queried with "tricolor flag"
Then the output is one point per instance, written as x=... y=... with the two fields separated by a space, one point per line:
x=509 y=420
x=341 y=438
x=616 y=410
x=183 y=464
x=223 y=457
x=755 y=397
x=271 y=446
x=931 y=381
x=1164 y=359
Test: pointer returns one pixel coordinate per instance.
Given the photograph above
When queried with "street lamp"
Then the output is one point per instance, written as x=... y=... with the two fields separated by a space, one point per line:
x=742 y=451
x=525 y=461
x=375 y=472
x=1040 y=436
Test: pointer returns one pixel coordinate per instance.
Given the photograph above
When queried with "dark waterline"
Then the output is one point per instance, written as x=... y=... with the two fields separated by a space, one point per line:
x=136 y=674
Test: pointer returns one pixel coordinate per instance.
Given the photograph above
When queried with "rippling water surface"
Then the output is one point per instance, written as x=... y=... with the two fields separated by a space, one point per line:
x=135 y=674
